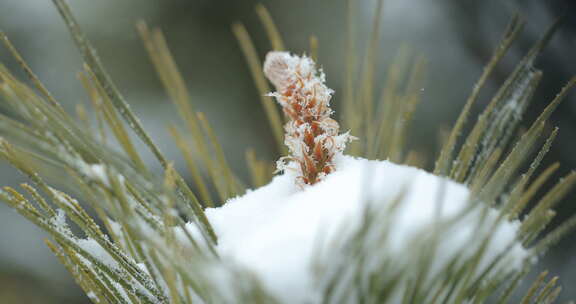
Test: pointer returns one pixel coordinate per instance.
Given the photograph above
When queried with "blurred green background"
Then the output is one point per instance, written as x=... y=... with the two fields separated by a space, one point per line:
x=456 y=37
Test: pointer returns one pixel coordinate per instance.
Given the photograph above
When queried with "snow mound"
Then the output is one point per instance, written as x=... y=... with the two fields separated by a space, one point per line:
x=275 y=231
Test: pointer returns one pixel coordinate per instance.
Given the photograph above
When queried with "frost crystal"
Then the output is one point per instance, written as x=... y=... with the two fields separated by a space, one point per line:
x=311 y=135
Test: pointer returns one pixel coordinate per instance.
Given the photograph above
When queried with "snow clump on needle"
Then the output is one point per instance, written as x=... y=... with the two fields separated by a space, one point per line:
x=277 y=231
x=293 y=232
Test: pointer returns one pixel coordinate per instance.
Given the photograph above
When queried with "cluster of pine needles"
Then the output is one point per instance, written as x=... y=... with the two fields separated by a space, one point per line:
x=132 y=243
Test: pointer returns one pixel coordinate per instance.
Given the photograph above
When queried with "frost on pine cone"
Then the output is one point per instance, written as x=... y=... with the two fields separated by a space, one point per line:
x=370 y=232
x=311 y=135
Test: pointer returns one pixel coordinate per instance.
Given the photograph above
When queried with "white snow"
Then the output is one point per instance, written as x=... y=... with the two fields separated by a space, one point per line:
x=98 y=252
x=93 y=297
x=58 y=221
x=97 y=172
x=275 y=230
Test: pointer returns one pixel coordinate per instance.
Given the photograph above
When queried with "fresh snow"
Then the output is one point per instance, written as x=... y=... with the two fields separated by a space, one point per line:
x=275 y=231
